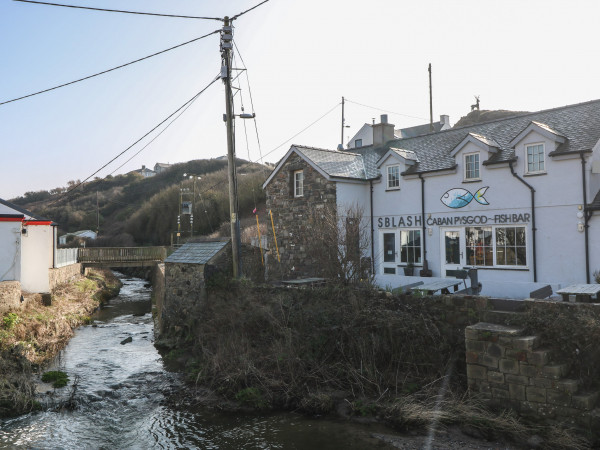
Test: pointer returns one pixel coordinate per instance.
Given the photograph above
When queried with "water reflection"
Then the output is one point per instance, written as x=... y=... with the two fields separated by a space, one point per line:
x=121 y=391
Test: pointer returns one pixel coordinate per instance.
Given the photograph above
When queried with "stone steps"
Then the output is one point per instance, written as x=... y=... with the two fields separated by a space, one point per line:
x=504 y=366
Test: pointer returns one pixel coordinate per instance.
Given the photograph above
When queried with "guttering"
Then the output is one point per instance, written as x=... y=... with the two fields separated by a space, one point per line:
x=406 y=172
x=586 y=225
x=372 y=230
x=533 y=228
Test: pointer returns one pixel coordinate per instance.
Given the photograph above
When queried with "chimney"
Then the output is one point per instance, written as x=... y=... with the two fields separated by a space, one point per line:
x=445 y=121
x=143 y=167
x=382 y=132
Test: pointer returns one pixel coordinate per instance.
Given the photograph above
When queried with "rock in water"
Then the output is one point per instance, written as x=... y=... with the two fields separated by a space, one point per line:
x=127 y=341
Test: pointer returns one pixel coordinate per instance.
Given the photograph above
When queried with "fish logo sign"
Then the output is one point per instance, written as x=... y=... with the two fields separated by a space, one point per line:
x=459 y=198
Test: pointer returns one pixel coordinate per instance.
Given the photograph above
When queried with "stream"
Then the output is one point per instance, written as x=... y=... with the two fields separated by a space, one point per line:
x=121 y=392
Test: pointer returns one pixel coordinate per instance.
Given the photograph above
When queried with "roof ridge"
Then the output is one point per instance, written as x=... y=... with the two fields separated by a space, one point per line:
x=326 y=150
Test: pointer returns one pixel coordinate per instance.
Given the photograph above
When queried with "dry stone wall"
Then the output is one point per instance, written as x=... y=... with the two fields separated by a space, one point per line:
x=63 y=274
x=508 y=368
x=291 y=214
x=184 y=287
x=10 y=296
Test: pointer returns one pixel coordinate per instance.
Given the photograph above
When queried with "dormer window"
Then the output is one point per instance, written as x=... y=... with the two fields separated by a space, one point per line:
x=358 y=143
x=299 y=183
x=393 y=177
x=536 y=160
x=471 y=166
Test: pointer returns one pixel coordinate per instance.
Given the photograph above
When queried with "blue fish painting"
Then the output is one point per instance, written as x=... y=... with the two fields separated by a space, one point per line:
x=459 y=198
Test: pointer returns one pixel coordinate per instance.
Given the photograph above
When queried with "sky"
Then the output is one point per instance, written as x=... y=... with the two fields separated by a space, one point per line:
x=301 y=58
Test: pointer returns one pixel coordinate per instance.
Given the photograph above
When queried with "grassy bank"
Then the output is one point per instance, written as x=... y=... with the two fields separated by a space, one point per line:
x=31 y=336
x=336 y=350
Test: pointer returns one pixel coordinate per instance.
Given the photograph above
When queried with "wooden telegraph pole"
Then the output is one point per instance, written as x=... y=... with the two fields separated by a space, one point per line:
x=226 y=48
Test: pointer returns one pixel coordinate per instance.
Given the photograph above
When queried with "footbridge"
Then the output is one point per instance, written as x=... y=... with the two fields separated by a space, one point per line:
x=121 y=256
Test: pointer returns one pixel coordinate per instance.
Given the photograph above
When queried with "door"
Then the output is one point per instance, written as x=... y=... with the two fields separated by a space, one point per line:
x=453 y=254
x=390 y=253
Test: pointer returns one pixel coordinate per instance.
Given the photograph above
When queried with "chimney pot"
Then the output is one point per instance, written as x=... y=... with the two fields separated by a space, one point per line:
x=384 y=118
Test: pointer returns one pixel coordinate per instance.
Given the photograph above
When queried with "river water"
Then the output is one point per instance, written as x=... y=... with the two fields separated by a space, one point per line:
x=121 y=393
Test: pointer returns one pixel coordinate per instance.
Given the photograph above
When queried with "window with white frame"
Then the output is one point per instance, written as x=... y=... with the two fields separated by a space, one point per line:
x=298 y=183
x=472 y=166
x=393 y=177
x=511 y=248
x=410 y=246
x=536 y=161
x=496 y=246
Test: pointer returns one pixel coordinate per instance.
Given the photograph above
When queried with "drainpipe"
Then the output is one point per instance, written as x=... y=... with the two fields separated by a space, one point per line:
x=533 y=228
x=372 y=232
x=586 y=215
x=425 y=265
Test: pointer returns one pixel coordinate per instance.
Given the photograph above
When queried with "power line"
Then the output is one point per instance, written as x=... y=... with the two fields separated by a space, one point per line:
x=128 y=148
x=248 y=10
x=122 y=11
x=384 y=110
x=109 y=70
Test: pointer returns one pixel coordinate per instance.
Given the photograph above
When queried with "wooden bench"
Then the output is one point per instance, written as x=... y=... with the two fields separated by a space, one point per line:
x=459 y=274
x=542 y=292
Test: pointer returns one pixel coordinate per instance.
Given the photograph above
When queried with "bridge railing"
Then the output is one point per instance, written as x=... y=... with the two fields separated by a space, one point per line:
x=121 y=254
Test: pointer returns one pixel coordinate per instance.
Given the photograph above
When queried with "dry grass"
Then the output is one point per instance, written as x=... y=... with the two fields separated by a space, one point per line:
x=33 y=335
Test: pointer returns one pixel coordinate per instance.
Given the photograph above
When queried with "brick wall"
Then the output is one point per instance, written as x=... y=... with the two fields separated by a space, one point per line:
x=290 y=215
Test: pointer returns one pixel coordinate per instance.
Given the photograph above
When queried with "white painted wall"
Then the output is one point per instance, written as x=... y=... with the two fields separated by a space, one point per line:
x=37 y=257
x=560 y=247
x=365 y=133
x=10 y=256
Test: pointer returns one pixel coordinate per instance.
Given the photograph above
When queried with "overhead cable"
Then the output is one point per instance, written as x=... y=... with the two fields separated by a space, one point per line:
x=384 y=110
x=120 y=11
x=248 y=10
x=136 y=142
x=109 y=70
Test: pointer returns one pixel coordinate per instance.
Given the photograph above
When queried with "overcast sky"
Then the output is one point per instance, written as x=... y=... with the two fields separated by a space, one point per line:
x=301 y=56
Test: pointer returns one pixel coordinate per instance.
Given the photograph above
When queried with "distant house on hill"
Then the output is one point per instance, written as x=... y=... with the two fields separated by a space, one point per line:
x=161 y=167
x=77 y=235
x=27 y=246
x=145 y=172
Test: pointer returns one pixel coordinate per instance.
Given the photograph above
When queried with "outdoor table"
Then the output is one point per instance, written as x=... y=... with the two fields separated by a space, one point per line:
x=303 y=282
x=581 y=291
x=440 y=285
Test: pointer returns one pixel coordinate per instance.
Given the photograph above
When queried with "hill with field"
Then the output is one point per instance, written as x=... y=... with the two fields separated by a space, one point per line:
x=130 y=210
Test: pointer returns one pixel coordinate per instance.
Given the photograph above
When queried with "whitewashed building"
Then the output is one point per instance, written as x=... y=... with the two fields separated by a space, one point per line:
x=515 y=198
x=80 y=236
x=27 y=247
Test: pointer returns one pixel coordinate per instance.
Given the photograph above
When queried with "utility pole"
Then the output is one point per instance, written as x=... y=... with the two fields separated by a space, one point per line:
x=97 y=215
x=430 y=102
x=226 y=48
x=343 y=123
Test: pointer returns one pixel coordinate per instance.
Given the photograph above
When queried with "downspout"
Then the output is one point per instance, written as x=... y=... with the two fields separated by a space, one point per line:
x=586 y=215
x=372 y=230
x=424 y=234
x=533 y=228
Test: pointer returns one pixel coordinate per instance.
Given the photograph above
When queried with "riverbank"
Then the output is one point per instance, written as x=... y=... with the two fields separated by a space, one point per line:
x=357 y=354
x=33 y=335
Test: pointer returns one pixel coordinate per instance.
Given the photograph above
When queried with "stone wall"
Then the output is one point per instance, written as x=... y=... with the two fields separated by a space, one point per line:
x=290 y=216
x=158 y=295
x=508 y=369
x=184 y=288
x=10 y=296
x=63 y=274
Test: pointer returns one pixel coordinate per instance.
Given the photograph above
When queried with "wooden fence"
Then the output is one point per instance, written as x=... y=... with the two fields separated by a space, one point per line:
x=111 y=256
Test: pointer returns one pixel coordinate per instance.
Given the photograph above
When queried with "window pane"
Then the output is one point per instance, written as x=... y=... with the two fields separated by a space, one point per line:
x=389 y=247
x=500 y=236
x=390 y=270
x=511 y=257
x=500 y=256
x=520 y=240
x=521 y=256
x=510 y=236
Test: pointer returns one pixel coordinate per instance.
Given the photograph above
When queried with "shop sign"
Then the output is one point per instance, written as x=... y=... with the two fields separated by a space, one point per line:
x=416 y=221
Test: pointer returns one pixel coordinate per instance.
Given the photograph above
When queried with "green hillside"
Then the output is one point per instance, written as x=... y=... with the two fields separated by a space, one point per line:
x=133 y=210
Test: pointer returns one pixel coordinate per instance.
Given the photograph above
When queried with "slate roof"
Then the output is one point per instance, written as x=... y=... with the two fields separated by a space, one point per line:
x=579 y=124
x=406 y=154
x=196 y=252
x=339 y=164
x=595 y=205
x=28 y=214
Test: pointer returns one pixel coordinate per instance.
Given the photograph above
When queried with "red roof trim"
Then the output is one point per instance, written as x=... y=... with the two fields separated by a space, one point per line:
x=37 y=222
x=11 y=219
